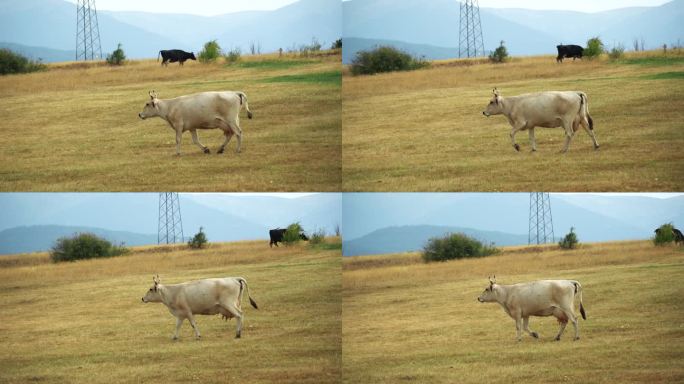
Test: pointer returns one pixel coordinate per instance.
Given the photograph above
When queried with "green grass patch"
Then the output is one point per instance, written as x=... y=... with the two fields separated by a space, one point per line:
x=665 y=76
x=326 y=246
x=653 y=61
x=332 y=77
x=272 y=64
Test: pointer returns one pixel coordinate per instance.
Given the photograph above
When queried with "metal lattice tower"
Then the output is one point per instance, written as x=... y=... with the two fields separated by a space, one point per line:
x=541 y=222
x=170 y=229
x=87 y=31
x=470 y=42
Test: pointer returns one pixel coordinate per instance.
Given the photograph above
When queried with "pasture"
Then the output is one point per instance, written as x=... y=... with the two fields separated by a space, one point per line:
x=76 y=127
x=84 y=322
x=424 y=130
x=409 y=322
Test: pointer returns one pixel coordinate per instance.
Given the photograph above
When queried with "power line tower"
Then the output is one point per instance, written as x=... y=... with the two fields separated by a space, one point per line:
x=541 y=222
x=87 y=31
x=470 y=43
x=170 y=228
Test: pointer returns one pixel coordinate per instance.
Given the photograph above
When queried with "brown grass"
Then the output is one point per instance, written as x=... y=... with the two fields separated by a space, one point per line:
x=83 y=322
x=416 y=322
x=75 y=127
x=424 y=130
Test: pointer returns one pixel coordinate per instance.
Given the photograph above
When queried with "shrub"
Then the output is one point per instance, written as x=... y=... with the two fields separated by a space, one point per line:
x=500 y=55
x=664 y=234
x=455 y=246
x=117 y=57
x=199 y=240
x=233 y=56
x=11 y=62
x=384 y=59
x=337 y=44
x=84 y=246
x=594 y=48
x=617 y=53
x=317 y=237
x=293 y=234
x=570 y=240
x=210 y=52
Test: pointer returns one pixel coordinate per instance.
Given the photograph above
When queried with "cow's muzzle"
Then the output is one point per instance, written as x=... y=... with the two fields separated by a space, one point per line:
x=140 y=115
x=485 y=113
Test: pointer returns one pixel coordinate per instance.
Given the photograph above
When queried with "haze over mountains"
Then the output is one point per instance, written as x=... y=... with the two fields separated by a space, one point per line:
x=431 y=28
x=399 y=222
x=37 y=219
x=51 y=24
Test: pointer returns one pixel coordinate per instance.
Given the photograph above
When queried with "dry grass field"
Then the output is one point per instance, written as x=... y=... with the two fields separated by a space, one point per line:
x=84 y=322
x=76 y=127
x=409 y=322
x=424 y=130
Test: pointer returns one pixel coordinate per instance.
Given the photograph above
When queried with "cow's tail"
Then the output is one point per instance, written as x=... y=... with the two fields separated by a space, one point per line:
x=243 y=283
x=584 y=109
x=578 y=291
x=243 y=101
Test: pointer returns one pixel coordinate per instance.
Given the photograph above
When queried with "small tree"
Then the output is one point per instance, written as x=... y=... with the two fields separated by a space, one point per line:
x=500 y=55
x=84 y=246
x=233 y=56
x=117 y=57
x=455 y=246
x=617 y=53
x=664 y=234
x=318 y=237
x=293 y=234
x=337 y=44
x=594 y=48
x=199 y=240
x=570 y=240
x=210 y=52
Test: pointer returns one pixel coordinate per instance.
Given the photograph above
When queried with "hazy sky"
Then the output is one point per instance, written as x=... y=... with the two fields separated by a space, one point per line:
x=195 y=7
x=575 y=5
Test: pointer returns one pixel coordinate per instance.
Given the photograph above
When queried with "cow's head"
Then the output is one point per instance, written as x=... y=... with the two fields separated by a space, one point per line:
x=303 y=236
x=489 y=294
x=153 y=295
x=192 y=56
x=494 y=107
x=151 y=109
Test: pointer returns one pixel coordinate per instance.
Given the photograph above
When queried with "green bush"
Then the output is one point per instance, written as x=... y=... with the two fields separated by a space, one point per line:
x=11 y=62
x=117 y=57
x=84 y=246
x=293 y=234
x=318 y=237
x=384 y=59
x=199 y=240
x=570 y=240
x=455 y=246
x=337 y=44
x=664 y=234
x=233 y=56
x=617 y=53
x=500 y=55
x=594 y=48
x=210 y=52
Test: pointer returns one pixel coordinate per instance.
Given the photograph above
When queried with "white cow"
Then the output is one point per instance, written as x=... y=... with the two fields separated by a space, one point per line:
x=202 y=297
x=206 y=110
x=537 y=298
x=546 y=109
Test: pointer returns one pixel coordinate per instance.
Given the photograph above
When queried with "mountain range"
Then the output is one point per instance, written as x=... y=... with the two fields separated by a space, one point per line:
x=429 y=28
x=398 y=222
x=40 y=218
x=39 y=27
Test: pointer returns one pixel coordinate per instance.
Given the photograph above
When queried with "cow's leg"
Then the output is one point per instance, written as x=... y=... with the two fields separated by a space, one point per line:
x=191 y=319
x=179 y=137
x=179 y=322
x=526 y=327
x=533 y=142
x=569 y=132
x=195 y=139
x=590 y=132
x=238 y=133
x=563 y=318
x=238 y=315
x=515 y=130
x=228 y=133
x=518 y=326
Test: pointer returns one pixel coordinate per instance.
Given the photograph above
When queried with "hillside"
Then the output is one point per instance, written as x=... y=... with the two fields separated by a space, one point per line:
x=89 y=120
x=448 y=145
x=84 y=322
x=409 y=321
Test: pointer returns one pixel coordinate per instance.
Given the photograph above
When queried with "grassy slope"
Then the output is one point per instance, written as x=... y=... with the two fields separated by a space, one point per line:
x=404 y=321
x=76 y=127
x=85 y=322
x=424 y=130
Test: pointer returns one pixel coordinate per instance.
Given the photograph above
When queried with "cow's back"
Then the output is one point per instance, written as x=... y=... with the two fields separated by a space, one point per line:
x=202 y=296
x=207 y=106
x=538 y=107
x=537 y=296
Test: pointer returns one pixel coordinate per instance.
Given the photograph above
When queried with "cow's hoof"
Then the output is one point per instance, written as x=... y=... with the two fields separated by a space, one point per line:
x=557 y=338
x=220 y=151
x=206 y=150
x=237 y=336
x=576 y=338
x=174 y=338
x=533 y=150
x=517 y=147
x=596 y=148
x=535 y=335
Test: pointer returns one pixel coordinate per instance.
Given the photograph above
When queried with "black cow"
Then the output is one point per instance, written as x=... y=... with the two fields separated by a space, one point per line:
x=678 y=236
x=574 y=51
x=173 y=55
x=276 y=236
